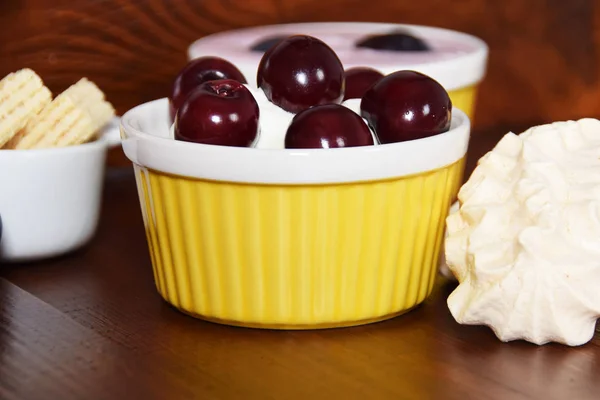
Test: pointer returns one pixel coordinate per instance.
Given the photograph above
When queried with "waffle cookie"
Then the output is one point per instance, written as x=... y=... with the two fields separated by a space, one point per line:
x=73 y=117
x=22 y=96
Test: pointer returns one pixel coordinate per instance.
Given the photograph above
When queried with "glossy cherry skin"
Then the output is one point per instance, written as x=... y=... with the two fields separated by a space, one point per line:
x=359 y=80
x=394 y=41
x=196 y=72
x=300 y=72
x=266 y=43
x=327 y=126
x=406 y=105
x=222 y=112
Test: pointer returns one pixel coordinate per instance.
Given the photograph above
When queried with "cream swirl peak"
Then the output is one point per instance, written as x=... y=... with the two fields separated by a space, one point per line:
x=525 y=243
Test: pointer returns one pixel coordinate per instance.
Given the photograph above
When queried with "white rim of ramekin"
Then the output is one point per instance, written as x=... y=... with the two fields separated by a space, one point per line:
x=285 y=166
x=461 y=71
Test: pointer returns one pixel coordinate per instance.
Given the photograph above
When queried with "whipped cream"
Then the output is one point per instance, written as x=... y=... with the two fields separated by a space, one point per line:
x=525 y=243
x=274 y=121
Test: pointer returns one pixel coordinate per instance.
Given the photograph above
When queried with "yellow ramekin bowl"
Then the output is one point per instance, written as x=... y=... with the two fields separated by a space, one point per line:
x=293 y=239
x=464 y=99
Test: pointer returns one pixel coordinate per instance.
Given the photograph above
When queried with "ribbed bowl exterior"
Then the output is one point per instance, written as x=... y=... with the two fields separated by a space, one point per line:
x=296 y=257
x=464 y=99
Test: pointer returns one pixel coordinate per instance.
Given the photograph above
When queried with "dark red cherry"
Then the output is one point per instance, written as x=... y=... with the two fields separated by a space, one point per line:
x=358 y=80
x=394 y=41
x=406 y=105
x=327 y=126
x=198 y=71
x=266 y=43
x=300 y=72
x=222 y=112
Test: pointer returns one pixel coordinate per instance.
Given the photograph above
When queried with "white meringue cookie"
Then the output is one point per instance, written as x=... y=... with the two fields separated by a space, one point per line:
x=525 y=243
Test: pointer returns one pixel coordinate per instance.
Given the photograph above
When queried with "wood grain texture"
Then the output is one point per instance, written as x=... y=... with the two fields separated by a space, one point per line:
x=44 y=354
x=91 y=325
x=543 y=64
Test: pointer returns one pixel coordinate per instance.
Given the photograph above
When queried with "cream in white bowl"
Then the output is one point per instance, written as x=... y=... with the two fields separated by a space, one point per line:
x=50 y=198
x=456 y=59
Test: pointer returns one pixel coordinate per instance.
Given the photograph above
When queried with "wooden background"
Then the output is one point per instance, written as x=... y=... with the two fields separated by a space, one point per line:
x=543 y=63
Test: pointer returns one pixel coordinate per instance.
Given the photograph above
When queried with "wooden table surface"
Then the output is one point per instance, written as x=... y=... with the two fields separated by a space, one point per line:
x=91 y=325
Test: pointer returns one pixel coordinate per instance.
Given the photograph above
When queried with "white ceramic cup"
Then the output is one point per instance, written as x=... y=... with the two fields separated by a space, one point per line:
x=50 y=198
